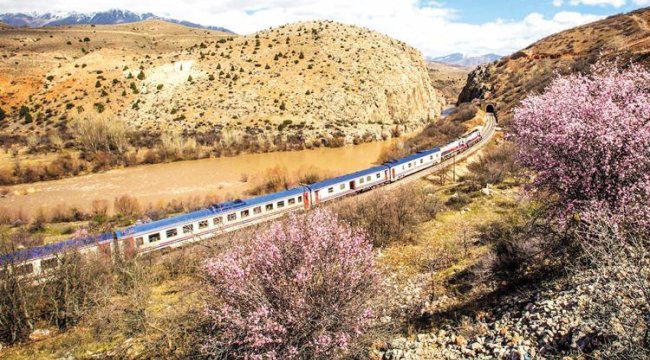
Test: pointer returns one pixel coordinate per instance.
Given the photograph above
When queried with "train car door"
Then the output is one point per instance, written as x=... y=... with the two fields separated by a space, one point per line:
x=352 y=185
x=393 y=170
x=105 y=249
x=305 y=196
x=129 y=248
x=316 y=200
x=386 y=174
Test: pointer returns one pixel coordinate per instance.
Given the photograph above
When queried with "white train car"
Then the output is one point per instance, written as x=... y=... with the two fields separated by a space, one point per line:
x=413 y=163
x=205 y=223
x=38 y=260
x=347 y=184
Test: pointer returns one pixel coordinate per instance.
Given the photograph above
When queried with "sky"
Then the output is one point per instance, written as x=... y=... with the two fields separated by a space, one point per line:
x=435 y=27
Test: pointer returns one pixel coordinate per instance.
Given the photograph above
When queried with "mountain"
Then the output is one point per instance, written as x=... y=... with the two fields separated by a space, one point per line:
x=114 y=16
x=299 y=85
x=459 y=59
x=625 y=37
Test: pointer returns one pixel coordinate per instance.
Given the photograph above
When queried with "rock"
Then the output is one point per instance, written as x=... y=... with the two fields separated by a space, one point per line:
x=460 y=340
x=476 y=346
x=39 y=334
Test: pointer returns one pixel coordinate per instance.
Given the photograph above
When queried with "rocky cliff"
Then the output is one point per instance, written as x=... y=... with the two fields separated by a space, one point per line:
x=625 y=37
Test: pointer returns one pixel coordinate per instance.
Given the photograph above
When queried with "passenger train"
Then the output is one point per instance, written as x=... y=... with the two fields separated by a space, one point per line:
x=228 y=216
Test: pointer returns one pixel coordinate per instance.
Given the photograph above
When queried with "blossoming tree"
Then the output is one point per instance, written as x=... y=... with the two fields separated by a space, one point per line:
x=298 y=290
x=588 y=139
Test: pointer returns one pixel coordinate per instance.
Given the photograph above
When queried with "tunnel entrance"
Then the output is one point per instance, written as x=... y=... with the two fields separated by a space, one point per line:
x=489 y=109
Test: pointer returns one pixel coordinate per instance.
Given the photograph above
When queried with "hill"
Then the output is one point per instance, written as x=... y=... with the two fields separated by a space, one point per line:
x=448 y=79
x=507 y=82
x=459 y=59
x=113 y=16
x=4 y=26
x=297 y=86
x=303 y=83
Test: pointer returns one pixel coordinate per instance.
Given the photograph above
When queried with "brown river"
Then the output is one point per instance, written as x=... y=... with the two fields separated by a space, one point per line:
x=227 y=177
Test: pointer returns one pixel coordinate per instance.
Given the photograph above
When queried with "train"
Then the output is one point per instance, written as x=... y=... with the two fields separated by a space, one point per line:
x=228 y=216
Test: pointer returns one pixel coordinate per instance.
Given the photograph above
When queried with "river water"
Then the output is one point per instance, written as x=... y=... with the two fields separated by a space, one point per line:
x=160 y=183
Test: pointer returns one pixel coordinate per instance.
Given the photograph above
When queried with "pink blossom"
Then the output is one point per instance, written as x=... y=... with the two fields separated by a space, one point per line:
x=588 y=139
x=300 y=289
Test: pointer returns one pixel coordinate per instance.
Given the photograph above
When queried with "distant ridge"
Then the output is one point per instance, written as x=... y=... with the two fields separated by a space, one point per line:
x=113 y=16
x=460 y=59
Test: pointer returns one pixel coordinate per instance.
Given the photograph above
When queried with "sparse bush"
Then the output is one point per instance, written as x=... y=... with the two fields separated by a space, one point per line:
x=127 y=206
x=390 y=216
x=299 y=290
x=495 y=166
x=101 y=134
x=617 y=262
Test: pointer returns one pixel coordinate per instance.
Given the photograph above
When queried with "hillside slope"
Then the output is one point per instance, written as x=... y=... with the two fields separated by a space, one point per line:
x=303 y=82
x=625 y=36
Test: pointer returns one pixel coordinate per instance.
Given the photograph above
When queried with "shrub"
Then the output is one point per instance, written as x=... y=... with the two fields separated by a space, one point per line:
x=587 y=137
x=495 y=166
x=127 y=206
x=617 y=269
x=299 y=290
x=2 y=114
x=100 y=134
x=141 y=75
x=390 y=216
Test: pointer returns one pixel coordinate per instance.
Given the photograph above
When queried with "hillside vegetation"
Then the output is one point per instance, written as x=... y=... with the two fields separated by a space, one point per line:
x=296 y=86
x=625 y=37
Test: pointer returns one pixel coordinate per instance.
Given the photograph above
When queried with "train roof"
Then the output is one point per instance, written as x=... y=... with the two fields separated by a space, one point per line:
x=212 y=210
x=54 y=248
x=417 y=155
x=342 y=178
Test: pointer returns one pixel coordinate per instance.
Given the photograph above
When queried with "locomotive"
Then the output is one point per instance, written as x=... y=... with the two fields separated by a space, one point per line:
x=223 y=217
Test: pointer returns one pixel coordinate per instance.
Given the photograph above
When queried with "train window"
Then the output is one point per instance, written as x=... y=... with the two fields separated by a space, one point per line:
x=402 y=167
x=300 y=199
x=378 y=175
x=188 y=228
x=280 y=204
x=292 y=201
x=257 y=210
x=139 y=241
x=342 y=187
x=154 y=237
x=171 y=233
x=361 y=181
x=431 y=157
x=410 y=165
x=330 y=190
x=368 y=178
x=25 y=269
x=232 y=217
x=245 y=213
x=421 y=161
x=269 y=207
x=203 y=224
x=51 y=263
x=217 y=220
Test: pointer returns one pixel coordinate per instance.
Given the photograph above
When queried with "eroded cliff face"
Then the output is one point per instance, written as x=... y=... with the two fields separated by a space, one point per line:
x=304 y=82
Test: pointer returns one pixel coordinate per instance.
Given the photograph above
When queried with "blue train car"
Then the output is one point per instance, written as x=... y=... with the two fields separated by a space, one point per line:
x=347 y=184
x=413 y=163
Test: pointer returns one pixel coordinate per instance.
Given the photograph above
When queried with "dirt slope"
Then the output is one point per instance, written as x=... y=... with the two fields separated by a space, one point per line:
x=625 y=36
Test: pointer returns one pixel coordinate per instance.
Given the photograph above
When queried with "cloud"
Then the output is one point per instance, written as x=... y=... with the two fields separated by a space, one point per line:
x=433 y=28
x=614 y=3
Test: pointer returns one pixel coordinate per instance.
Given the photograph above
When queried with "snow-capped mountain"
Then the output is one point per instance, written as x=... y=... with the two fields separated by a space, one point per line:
x=114 y=16
x=459 y=59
